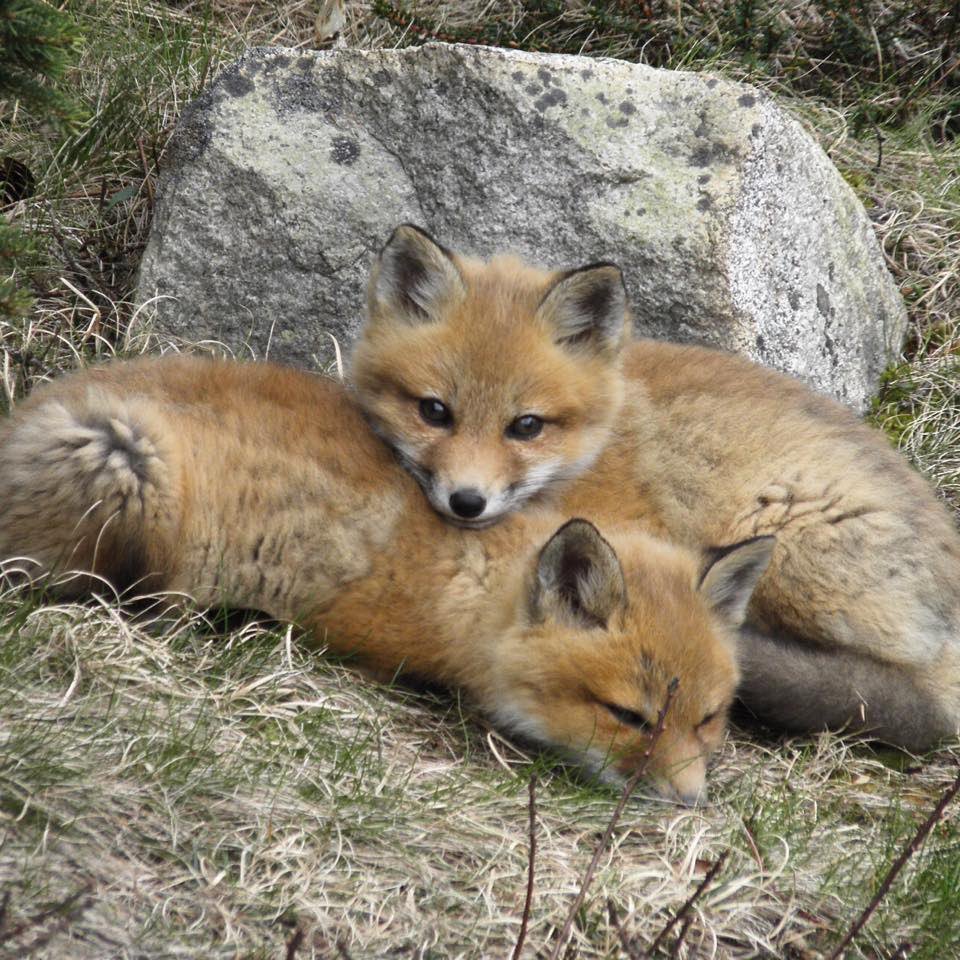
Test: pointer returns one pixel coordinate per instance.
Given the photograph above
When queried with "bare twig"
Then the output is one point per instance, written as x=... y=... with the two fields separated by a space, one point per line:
x=625 y=941
x=416 y=26
x=690 y=901
x=294 y=943
x=754 y=849
x=147 y=181
x=908 y=851
x=628 y=789
x=684 y=927
x=528 y=899
x=65 y=911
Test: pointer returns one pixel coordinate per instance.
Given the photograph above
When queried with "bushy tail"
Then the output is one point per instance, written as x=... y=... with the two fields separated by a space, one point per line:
x=804 y=688
x=86 y=485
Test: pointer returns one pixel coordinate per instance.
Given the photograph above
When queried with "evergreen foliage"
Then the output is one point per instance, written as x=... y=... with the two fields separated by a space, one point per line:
x=36 y=46
x=15 y=251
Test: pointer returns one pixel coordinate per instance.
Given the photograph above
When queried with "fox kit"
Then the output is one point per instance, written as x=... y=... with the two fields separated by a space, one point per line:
x=499 y=384
x=261 y=487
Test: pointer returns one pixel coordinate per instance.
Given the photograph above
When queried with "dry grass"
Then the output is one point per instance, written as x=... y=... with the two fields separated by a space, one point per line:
x=217 y=791
x=208 y=792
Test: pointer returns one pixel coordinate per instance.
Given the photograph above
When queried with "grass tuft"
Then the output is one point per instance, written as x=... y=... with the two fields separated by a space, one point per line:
x=219 y=790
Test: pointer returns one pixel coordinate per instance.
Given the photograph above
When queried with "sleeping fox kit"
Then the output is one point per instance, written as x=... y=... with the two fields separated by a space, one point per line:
x=261 y=487
x=503 y=387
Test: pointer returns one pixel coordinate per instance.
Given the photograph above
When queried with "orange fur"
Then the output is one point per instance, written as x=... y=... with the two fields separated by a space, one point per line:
x=857 y=621
x=260 y=487
x=514 y=368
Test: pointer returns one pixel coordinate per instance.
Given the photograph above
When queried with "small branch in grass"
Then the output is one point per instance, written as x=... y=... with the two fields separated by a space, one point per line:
x=682 y=913
x=65 y=911
x=628 y=789
x=528 y=899
x=908 y=851
x=79 y=270
x=294 y=943
x=147 y=181
x=678 y=943
x=748 y=831
x=625 y=941
x=415 y=25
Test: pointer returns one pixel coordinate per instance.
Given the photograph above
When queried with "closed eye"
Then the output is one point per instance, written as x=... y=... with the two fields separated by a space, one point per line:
x=630 y=718
x=708 y=718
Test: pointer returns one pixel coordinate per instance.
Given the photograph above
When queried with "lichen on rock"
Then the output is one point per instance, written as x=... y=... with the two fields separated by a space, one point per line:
x=730 y=223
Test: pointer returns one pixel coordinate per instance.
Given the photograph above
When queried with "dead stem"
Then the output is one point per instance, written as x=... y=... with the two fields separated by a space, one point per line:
x=528 y=899
x=64 y=912
x=294 y=943
x=691 y=900
x=628 y=789
x=908 y=851
x=617 y=925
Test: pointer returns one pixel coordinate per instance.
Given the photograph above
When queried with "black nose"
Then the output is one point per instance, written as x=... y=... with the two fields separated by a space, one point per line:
x=467 y=503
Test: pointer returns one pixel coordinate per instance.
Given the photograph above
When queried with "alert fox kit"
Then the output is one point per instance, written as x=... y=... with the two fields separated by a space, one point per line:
x=261 y=487
x=500 y=385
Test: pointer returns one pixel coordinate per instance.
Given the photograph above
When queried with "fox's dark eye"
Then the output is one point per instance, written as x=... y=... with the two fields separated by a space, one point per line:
x=435 y=413
x=628 y=717
x=526 y=427
x=708 y=718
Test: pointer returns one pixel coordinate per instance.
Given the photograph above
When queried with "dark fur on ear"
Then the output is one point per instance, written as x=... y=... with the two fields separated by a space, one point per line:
x=414 y=277
x=587 y=308
x=578 y=577
x=730 y=575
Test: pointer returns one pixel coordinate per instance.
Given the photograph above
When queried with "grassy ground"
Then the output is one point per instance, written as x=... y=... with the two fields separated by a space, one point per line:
x=174 y=789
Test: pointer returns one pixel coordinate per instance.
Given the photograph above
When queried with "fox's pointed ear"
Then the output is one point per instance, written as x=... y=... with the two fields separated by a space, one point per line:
x=588 y=308
x=730 y=575
x=578 y=577
x=413 y=279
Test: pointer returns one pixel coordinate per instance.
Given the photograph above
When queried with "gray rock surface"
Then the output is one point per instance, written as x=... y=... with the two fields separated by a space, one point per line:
x=730 y=223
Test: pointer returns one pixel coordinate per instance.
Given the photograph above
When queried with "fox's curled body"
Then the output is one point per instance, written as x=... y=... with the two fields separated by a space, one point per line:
x=856 y=623
x=260 y=487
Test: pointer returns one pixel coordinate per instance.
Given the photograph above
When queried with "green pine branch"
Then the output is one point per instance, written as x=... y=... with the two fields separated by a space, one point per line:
x=37 y=45
x=16 y=253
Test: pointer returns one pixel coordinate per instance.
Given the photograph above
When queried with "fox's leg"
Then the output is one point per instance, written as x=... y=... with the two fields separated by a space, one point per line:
x=805 y=688
x=87 y=483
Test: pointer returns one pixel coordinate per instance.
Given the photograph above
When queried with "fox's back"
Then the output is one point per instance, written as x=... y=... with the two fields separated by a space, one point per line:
x=733 y=436
x=199 y=447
